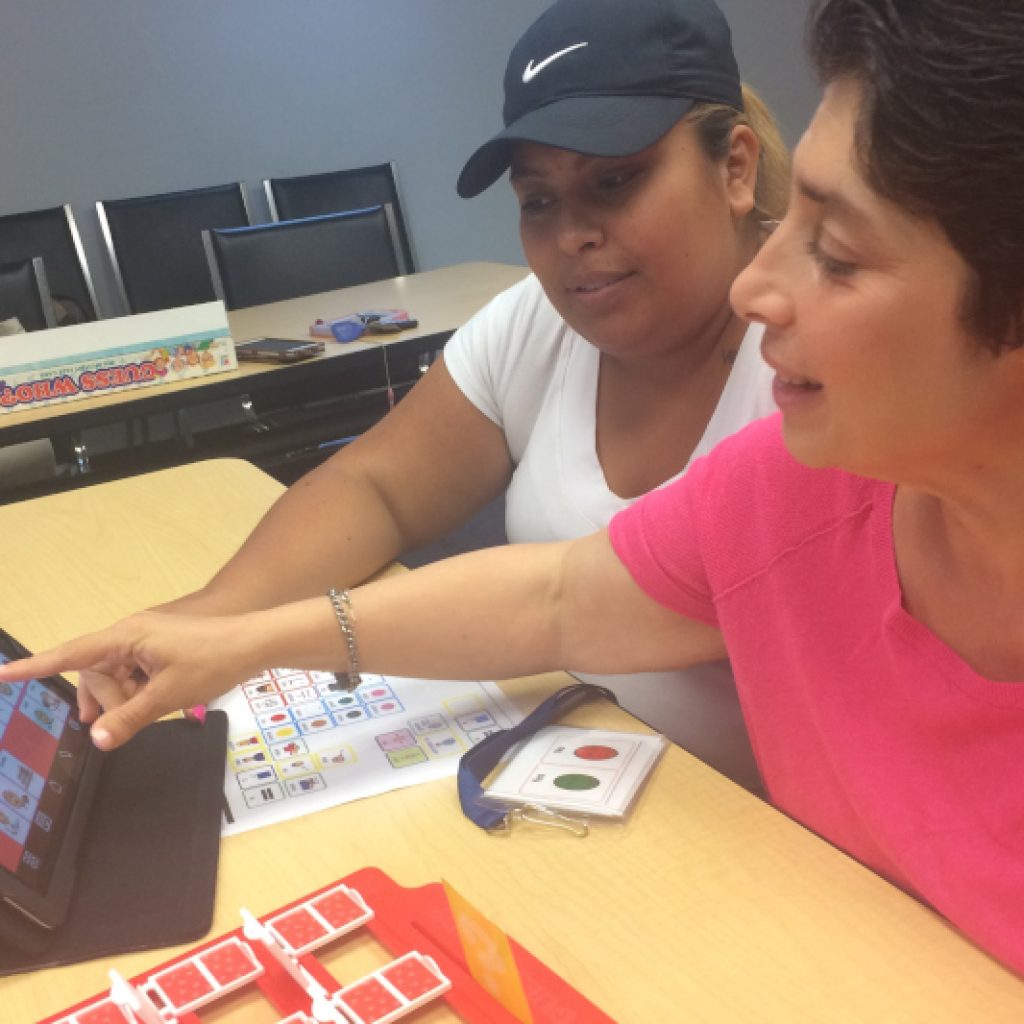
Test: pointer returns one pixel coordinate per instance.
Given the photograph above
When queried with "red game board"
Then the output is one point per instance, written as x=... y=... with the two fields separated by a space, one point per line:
x=275 y=954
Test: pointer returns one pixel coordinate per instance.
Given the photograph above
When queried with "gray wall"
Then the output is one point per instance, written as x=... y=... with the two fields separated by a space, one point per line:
x=111 y=98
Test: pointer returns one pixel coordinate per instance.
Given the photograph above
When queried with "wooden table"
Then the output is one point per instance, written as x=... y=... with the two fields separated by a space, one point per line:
x=441 y=300
x=291 y=408
x=708 y=905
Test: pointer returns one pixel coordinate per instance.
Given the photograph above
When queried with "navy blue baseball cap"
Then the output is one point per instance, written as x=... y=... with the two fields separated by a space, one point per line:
x=608 y=78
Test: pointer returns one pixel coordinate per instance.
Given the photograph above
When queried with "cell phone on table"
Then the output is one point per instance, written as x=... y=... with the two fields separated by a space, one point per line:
x=277 y=350
x=49 y=770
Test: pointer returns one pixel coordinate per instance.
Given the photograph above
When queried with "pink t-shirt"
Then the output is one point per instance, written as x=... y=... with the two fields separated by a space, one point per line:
x=867 y=728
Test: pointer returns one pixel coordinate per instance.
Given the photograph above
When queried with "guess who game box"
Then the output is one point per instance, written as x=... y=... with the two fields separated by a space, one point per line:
x=69 y=363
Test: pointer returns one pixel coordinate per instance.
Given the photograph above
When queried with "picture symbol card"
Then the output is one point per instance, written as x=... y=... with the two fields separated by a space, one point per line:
x=589 y=771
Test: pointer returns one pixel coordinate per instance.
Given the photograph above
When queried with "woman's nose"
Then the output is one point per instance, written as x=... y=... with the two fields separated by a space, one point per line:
x=759 y=293
x=578 y=229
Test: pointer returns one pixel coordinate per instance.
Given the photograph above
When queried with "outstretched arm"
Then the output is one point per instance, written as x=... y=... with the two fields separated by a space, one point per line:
x=498 y=613
x=431 y=463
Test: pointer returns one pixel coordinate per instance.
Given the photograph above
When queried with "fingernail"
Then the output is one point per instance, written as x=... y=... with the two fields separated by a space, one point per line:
x=101 y=738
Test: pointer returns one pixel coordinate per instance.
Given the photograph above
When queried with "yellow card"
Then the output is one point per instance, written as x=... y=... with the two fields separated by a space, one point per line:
x=489 y=956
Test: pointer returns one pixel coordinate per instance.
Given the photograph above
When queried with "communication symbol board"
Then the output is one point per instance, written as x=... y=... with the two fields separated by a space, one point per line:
x=299 y=742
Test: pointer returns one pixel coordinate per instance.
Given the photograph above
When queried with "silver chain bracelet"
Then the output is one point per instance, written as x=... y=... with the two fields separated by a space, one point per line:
x=341 y=602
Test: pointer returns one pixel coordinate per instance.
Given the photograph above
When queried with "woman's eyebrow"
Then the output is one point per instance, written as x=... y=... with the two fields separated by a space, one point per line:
x=520 y=168
x=518 y=171
x=835 y=204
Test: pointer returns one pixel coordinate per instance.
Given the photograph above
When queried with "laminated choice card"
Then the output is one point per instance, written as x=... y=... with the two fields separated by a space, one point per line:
x=590 y=771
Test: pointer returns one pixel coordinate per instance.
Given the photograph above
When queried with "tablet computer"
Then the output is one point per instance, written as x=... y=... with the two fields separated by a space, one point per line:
x=49 y=769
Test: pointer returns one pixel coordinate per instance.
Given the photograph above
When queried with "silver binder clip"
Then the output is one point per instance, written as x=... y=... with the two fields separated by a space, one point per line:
x=535 y=814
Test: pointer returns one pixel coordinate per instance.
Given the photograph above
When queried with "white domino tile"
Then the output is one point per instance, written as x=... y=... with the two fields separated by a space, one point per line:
x=105 y=1011
x=402 y=986
x=201 y=979
x=319 y=920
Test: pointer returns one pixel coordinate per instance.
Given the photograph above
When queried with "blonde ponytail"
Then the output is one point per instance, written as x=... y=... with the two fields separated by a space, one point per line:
x=715 y=123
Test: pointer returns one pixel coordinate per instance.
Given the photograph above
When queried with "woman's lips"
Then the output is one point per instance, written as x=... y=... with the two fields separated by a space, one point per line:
x=597 y=288
x=791 y=392
x=789 y=389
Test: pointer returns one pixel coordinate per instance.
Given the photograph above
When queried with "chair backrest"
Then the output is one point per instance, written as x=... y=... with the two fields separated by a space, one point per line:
x=272 y=262
x=314 y=194
x=156 y=243
x=24 y=294
x=53 y=235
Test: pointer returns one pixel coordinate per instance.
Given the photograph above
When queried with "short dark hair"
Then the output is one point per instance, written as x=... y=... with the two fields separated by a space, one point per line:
x=941 y=129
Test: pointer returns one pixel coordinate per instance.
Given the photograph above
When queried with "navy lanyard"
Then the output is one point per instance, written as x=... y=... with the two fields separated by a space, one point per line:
x=479 y=761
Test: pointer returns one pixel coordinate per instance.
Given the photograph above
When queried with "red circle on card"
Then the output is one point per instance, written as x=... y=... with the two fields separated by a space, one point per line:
x=595 y=752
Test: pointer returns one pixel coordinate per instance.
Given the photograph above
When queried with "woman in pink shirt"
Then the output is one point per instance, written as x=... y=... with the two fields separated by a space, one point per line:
x=860 y=558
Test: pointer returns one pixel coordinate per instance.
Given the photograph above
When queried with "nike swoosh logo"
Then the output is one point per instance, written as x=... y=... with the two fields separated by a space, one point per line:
x=531 y=71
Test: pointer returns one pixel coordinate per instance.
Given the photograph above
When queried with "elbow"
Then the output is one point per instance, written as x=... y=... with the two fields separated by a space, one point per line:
x=574 y=599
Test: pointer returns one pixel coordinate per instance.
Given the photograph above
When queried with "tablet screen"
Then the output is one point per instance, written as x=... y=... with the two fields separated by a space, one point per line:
x=43 y=746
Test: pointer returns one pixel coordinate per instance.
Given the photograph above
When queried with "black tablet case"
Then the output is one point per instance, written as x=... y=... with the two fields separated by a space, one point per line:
x=148 y=866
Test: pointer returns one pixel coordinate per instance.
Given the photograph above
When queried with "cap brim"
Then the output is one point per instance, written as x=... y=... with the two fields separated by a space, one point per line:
x=594 y=125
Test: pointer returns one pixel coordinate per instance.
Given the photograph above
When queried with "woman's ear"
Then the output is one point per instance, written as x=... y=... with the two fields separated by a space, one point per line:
x=740 y=169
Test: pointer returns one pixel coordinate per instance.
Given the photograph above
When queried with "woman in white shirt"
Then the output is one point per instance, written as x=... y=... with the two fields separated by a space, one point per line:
x=645 y=173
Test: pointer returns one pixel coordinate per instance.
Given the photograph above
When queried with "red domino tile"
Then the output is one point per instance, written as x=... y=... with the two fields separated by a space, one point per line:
x=183 y=984
x=299 y=928
x=338 y=908
x=102 y=1013
x=227 y=963
x=370 y=1000
x=412 y=978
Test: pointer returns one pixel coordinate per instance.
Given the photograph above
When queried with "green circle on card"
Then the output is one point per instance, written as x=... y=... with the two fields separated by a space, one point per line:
x=576 y=782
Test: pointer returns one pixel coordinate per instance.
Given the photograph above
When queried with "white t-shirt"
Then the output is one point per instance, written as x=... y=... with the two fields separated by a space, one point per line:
x=530 y=373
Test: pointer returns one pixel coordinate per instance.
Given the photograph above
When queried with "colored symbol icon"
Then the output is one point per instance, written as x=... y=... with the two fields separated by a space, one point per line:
x=595 y=752
x=579 y=783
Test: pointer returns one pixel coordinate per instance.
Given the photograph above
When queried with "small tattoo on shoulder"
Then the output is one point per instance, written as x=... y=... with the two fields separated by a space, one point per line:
x=729 y=355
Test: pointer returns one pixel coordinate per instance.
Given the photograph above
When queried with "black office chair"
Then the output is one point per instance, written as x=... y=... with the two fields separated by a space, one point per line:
x=53 y=235
x=156 y=246
x=272 y=262
x=314 y=194
x=25 y=295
